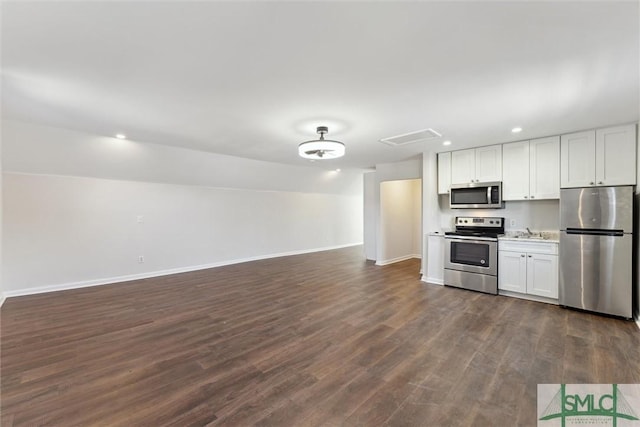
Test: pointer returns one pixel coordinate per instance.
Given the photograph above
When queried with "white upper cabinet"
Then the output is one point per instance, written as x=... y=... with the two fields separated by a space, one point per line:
x=482 y=164
x=515 y=171
x=489 y=163
x=463 y=166
x=602 y=157
x=616 y=155
x=578 y=159
x=444 y=172
x=531 y=169
x=544 y=168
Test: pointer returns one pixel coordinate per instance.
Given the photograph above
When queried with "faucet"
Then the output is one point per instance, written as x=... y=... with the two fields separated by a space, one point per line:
x=529 y=231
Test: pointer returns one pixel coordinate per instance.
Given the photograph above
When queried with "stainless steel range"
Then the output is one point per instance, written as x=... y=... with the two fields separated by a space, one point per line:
x=471 y=254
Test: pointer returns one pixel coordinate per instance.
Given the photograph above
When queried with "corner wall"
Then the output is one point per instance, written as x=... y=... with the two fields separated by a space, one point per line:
x=636 y=232
x=406 y=170
x=400 y=221
x=2 y=296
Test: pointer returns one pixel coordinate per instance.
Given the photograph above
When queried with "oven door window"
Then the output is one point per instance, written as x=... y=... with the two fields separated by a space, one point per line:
x=477 y=254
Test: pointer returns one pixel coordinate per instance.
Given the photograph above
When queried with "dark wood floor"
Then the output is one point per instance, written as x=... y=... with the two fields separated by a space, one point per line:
x=318 y=339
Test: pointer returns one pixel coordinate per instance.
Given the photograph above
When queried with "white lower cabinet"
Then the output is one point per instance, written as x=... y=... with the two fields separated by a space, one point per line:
x=529 y=268
x=435 y=259
x=542 y=275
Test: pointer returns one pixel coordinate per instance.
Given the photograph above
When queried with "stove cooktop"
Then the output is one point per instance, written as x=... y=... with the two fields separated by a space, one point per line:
x=493 y=234
x=478 y=227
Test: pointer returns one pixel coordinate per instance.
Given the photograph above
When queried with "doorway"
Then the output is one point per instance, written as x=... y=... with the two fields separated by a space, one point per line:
x=400 y=221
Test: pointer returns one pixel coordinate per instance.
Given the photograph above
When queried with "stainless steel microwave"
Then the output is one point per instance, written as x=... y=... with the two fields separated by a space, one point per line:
x=476 y=195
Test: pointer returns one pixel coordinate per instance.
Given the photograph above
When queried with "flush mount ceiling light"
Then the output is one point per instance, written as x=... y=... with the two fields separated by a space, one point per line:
x=516 y=130
x=319 y=149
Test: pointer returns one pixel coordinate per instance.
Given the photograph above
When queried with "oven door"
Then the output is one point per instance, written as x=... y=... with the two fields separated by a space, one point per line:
x=471 y=254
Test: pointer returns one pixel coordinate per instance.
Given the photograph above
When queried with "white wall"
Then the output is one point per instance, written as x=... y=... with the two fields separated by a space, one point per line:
x=2 y=296
x=538 y=215
x=636 y=229
x=40 y=149
x=400 y=221
x=371 y=203
x=72 y=202
x=430 y=205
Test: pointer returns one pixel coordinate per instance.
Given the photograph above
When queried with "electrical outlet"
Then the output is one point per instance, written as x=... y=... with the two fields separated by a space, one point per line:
x=141 y=259
x=512 y=223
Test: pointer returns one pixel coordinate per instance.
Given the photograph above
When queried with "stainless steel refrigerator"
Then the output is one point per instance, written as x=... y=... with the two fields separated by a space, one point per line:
x=596 y=225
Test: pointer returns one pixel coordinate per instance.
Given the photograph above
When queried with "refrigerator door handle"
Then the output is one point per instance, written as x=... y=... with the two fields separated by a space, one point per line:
x=595 y=232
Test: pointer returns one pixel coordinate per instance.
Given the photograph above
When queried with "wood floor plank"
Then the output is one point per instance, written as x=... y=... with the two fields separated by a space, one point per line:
x=288 y=341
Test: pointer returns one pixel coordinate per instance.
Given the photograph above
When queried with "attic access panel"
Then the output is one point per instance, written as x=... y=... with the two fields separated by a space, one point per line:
x=410 y=138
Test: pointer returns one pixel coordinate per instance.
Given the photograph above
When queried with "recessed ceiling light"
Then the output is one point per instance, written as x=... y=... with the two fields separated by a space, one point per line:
x=516 y=130
x=446 y=143
x=121 y=136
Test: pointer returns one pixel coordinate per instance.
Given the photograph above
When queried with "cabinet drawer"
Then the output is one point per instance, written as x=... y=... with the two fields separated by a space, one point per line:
x=528 y=247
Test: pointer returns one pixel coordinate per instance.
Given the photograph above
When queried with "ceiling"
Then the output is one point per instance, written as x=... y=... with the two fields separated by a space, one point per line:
x=254 y=79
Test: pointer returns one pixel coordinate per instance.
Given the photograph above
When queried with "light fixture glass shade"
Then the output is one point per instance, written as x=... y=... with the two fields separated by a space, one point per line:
x=320 y=149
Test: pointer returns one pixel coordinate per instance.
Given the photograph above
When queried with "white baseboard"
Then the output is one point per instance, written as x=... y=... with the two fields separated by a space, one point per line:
x=398 y=259
x=432 y=280
x=147 y=275
x=2 y=298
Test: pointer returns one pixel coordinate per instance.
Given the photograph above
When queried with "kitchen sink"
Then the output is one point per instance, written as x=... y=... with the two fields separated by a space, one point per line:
x=535 y=236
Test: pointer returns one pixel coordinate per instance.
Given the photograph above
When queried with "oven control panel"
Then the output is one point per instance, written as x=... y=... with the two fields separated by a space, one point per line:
x=470 y=221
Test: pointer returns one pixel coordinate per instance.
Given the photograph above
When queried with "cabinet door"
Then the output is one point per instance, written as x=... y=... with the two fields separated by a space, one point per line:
x=435 y=259
x=489 y=163
x=444 y=173
x=463 y=166
x=578 y=159
x=512 y=274
x=515 y=171
x=542 y=275
x=544 y=167
x=616 y=155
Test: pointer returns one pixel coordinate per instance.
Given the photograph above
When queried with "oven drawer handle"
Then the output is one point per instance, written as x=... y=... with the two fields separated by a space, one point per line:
x=463 y=238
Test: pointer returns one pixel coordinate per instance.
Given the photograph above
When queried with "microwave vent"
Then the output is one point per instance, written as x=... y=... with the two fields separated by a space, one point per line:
x=410 y=138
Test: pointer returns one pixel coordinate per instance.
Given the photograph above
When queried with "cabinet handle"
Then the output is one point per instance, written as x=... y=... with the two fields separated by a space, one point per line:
x=529 y=256
x=533 y=197
x=600 y=182
x=591 y=183
x=522 y=255
x=526 y=197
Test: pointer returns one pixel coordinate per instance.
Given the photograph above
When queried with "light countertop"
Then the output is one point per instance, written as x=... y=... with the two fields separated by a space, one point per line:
x=437 y=233
x=537 y=236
